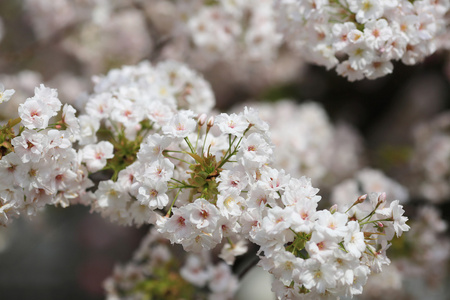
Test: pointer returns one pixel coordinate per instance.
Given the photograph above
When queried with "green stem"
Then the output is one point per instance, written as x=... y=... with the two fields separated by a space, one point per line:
x=189 y=144
x=179 y=159
x=198 y=136
x=204 y=142
x=374 y=221
x=173 y=202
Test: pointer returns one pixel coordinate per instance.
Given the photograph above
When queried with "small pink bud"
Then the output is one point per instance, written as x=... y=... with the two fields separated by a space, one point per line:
x=382 y=198
x=361 y=199
x=210 y=122
x=202 y=119
x=380 y=224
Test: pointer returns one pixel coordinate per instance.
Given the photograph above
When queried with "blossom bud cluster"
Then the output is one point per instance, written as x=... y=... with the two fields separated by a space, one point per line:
x=157 y=270
x=41 y=167
x=422 y=252
x=230 y=191
x=210 y=177
x=361 y=37
x=315 y=253
x=229 y=29
x=128 y=104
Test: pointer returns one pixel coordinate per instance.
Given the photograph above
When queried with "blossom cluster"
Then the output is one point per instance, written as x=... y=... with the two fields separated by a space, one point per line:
x=313 y=155
x=361 y=37
x=129 y=104
x=39 y=166
x=228 y=30
x=423 y=253
x=233 y=193
x=156 y=269
x=147 y=141
x=319 y=253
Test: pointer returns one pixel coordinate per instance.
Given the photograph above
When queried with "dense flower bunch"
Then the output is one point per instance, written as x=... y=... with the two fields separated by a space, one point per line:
x=423 y=253
x=201 y=181
x=132 y=103
x=210 y=174
x=322 y=253
x=431 y=159
x=244 y=30
x=158 y=270
x=361 y=37
x=39 y=165
x=313 y=155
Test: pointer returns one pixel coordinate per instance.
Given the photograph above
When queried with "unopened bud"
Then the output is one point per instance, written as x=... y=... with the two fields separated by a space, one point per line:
x=361 y=199
x=202 y=119
x=382 y=198
x=333 y=209
x=381 y=225
x=210 y=122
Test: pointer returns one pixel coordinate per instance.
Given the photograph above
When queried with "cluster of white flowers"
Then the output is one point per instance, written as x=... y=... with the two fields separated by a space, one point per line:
x=361 y=37
x=228 y=30
x=230 y=191
x=154 y=270
x=132 y=102
x=43 y=167
x=201 y=181
x=308 y=144
x=318 y=253
x=421 y=253
x=431 y=159
x=211 y=177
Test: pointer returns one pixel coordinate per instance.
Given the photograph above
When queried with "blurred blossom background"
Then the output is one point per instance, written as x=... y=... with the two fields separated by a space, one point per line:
x=390 y=134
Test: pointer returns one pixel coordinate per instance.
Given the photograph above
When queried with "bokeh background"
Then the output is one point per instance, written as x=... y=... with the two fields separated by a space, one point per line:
x=389 y=125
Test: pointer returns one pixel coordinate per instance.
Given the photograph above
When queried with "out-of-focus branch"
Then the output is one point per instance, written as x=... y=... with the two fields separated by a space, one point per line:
x=158 y=39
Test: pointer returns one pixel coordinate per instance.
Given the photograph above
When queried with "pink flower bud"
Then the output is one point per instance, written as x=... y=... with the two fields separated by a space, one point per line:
x=360 y=199
x=210 y=122
x=202 y=119
x=382 y=198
